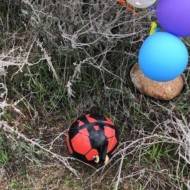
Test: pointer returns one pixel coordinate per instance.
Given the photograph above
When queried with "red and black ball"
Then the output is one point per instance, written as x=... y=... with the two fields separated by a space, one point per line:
x=92 y=135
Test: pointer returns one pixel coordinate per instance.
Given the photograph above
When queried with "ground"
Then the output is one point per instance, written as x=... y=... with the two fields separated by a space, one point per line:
x=64 y=58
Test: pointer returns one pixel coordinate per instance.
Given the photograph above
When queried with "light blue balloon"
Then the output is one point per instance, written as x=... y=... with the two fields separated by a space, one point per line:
x=163 y=57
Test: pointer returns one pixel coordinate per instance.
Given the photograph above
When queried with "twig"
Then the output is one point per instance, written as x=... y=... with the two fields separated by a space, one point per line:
x=14 y=131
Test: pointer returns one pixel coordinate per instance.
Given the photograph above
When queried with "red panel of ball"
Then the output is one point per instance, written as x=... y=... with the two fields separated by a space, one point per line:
x=109 y=132
x=112 y=142
x=81 y=144
x=91 y=154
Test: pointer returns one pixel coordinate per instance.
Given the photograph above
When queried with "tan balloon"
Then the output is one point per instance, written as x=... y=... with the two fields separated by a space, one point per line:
x=141 y=3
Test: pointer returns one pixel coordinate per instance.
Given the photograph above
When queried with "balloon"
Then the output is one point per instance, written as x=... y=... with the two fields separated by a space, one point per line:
x=141 y=3
x=174 y=16
x=163 y=57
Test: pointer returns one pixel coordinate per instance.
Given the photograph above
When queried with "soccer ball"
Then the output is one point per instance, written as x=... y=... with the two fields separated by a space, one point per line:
x=92 y=138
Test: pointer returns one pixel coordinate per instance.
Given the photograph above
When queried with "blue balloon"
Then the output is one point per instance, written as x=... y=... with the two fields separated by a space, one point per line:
x=163 y=57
